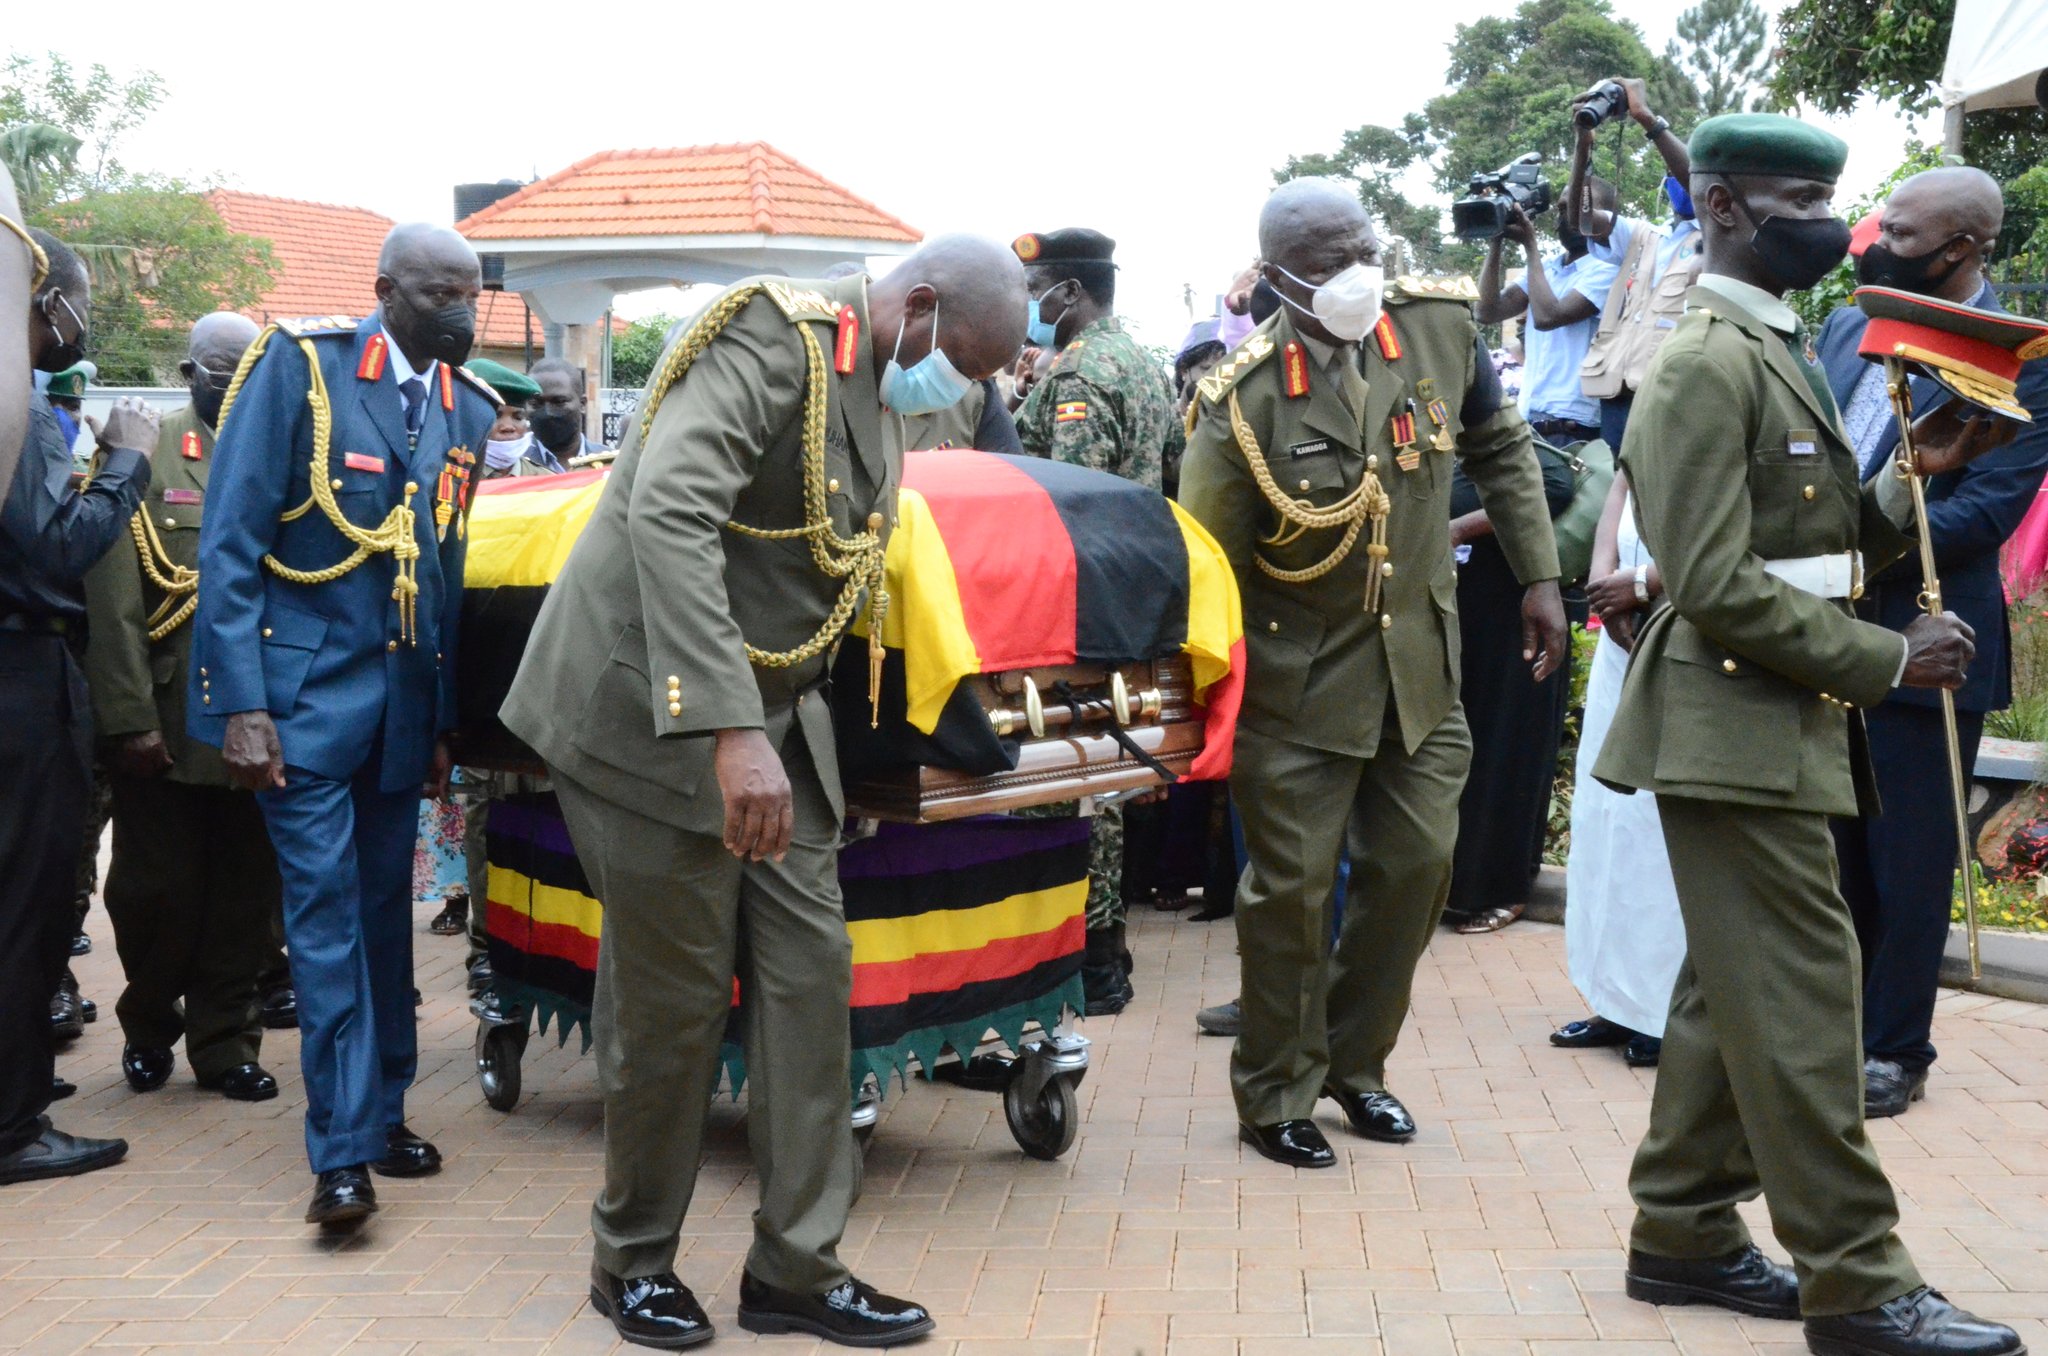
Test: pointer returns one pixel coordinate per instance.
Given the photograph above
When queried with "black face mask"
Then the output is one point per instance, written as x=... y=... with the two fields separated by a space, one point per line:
x=1798 y=251
x=206 y=402
x=446 y=334
x=65 y=352
x=556 y=429
x=1881 y=267
x=1574 y=242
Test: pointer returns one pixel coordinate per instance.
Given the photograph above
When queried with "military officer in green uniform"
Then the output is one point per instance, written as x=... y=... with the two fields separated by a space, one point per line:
x=1106 y=404
x=674 y=685
x=1742 y=711
x=1322 y=465
x=192 y=888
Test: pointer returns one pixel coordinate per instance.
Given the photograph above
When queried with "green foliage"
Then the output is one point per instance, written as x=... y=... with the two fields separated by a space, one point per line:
x=95 y=106
x=635 y=349
x=1833 y=52
x=1557 y=830
x=1724 y=56
x=1820 y=301
x=35 y=153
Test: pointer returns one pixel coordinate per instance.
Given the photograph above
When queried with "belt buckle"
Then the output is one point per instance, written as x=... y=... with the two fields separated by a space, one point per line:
x=1855 y=576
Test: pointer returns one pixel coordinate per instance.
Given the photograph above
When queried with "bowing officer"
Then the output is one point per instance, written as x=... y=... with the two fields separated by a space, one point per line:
x=192 y=886
x=674 y=686
x=1742 y=711
x=330 y=584
x=1322 y=465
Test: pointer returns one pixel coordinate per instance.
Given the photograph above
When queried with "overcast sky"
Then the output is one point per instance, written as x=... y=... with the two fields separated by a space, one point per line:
x=1140 y=119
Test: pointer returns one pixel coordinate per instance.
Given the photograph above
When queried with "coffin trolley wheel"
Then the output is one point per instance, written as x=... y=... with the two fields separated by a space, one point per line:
x=499 y=1048
x=1039 y=1100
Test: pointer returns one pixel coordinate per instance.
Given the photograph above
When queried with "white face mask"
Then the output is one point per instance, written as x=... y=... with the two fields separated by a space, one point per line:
x=502 y=454
x=1348 y=304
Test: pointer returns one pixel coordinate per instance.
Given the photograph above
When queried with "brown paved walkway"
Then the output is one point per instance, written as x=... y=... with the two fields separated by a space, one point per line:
x=1497 y=1233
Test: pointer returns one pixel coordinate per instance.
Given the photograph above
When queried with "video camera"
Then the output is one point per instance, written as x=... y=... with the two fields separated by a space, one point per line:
x=1484 y=215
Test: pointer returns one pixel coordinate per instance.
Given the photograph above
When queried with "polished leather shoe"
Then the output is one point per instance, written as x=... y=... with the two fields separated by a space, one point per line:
x=67 y=1011
x=453 y=920
x=1375 y=1115
x=52 y=1153
x=1225 y=1019
x=342 y=1198
x=1917 y=1323
x=1744 y=1280
x=280 y=1010
x=147 y=1067
x=1890 y=1087
x=60 y=1088
x=650 y=1311
x=81 y=945
x=1642 y=1052
x=88 y=1011
x=407 y=1155
x=1298 y=1144
x=854 y=1314
x=249 y=1082
x=481 y=976
x=1590 y=1033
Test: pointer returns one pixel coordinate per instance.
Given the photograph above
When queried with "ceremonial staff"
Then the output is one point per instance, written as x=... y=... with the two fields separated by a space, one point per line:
x=1975 y=355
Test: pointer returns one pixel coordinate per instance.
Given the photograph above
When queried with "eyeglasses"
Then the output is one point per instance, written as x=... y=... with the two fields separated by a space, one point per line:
x=65 y=302
x=219 y=381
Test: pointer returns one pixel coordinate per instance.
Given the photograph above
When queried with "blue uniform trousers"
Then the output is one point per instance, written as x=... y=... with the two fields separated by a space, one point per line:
x=344 y=849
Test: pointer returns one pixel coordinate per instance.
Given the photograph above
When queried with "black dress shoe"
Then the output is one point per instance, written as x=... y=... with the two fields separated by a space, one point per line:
x=1298 y=1144
x=81 y=945
x=1590 y=1033
x=1225 y=1019
x=249 y=1082
x=146 y=1067
x=453 y=920
x=88 y=1011
x=407 y=1155
x=1890 y=1087
x=1375 y=1115
x=60 y=1088
x=280 y=1010
x=1744 y=1280
x=1917 y=1323
x=67 y=1011
x=854 y=1314
x=53 y=1153
x=342 y=1198
x=1642 y=1052
x=651 y=1311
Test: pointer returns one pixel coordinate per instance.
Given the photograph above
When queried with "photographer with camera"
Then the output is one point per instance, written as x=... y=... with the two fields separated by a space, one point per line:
x=1656 y=264
x=1562 y=297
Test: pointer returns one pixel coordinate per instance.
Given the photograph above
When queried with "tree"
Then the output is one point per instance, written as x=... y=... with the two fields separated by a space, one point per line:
x=35 y=153
x=1724 y=54
x=98 y=109
x=1511 y=84
x=635 y=349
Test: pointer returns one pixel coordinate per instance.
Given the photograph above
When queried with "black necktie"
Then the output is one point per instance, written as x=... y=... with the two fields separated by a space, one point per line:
x=414 y=392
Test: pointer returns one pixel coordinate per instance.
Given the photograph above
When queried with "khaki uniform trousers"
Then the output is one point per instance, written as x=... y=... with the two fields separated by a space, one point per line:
x=1760 y=1084
x=682 y=916
x=1313 y=1017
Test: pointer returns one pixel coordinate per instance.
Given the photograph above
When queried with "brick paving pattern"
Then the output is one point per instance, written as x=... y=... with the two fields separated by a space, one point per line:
x=1498 y=1232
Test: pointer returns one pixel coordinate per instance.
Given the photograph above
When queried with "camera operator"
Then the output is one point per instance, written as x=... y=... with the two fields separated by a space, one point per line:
x=1656 y=263
x=1562 y=296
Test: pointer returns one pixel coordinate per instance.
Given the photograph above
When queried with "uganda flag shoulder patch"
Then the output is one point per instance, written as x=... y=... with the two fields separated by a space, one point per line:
x=1070 y=412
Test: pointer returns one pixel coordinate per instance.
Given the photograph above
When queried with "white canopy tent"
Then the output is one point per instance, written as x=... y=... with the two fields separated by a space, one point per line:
x=1997 y=56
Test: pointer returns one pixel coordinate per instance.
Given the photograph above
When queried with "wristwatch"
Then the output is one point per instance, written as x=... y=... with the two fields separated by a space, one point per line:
x=1642 y=583
x=1656 y=129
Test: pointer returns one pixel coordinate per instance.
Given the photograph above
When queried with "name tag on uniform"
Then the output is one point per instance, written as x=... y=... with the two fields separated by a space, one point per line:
x=1308 y=449
x=182 y=496
x=1802 y=442
x=362 y=461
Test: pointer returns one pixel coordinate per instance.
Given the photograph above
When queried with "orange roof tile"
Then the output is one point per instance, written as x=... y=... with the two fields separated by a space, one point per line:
x=326 y=260
x=736 y=189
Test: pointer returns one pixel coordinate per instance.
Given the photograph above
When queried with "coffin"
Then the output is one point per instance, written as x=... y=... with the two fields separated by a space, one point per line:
x=1038 y=612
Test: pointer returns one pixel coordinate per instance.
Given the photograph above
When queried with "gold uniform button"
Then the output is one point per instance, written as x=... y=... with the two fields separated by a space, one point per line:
x=1386 y=621
x=1272 y=626
x=266 y=636
x=336 y=482
x=1304 y=486
x=832 y=486
x=1386 y=569
x=169 y=521
x=412 y=487
x=1728 y=666
x=205 y=701
x=874 y=522
x=675 y=708
x=1806 y=493
x=390 y=645
x=1825 y=697
x=202 y=672
x=674 y=681
x=437 y=656
x=1372 y=463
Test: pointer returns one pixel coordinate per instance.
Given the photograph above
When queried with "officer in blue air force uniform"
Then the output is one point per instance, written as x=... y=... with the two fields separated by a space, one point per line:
x=330 y=583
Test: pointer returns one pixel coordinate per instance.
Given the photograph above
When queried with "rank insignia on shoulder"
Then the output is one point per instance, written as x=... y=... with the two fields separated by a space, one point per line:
x=1389 y=342
x=371 y=367
x=1254 y=350
x=846 y=347
x=483 y=388
x=1070 y=412
x=447 y=389
x=312 y=327
x=1294 y=370
x=188 y=446
x=801 y=303
x=1413 y=287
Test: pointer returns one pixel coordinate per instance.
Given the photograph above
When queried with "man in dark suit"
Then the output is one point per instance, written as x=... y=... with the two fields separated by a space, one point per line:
x=1898 y=868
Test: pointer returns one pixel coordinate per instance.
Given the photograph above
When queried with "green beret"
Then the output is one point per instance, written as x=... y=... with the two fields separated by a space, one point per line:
x=72 y=381
x=1767 y=143
x=1072 y=245
x=514 y=388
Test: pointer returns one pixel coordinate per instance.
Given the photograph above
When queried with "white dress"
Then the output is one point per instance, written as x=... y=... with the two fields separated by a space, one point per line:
x=1623 y=938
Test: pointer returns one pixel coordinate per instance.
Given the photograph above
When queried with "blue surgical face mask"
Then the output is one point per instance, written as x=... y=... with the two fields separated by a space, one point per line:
x=930 y=385
x=1681 y=201
x=1037 y=333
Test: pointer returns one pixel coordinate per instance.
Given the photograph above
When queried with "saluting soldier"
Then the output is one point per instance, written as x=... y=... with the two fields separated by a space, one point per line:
x=192 y=885
x=1742 y=711
x=674 y=684
x=1322 y=465
x=330 y=587
x=1106 y=404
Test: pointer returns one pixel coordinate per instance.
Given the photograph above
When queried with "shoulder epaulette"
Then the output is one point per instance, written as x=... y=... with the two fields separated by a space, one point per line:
x=488 y=391
x=1414 y=287
x=319 y=326
x=1255 y=349
x=801 y=303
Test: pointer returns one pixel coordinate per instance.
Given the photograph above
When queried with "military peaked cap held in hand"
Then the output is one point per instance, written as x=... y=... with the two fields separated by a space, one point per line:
x=1974 y=353
x=513 y=388
x=72 y=381
x=1766 y=143
x=1071 y=245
